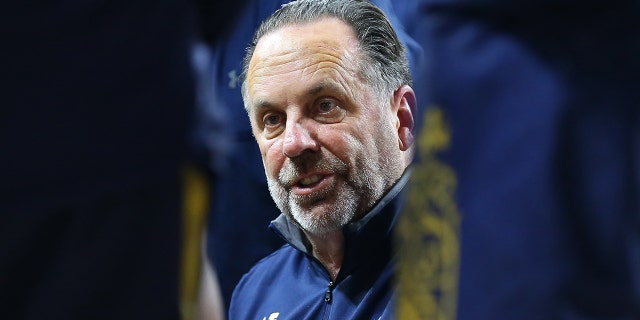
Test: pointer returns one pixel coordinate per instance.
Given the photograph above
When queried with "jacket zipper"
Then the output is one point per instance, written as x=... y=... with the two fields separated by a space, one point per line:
x=328 y=296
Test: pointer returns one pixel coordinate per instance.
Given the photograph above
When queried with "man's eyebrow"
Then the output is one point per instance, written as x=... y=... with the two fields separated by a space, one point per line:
x=263 y=104
x=321 y=86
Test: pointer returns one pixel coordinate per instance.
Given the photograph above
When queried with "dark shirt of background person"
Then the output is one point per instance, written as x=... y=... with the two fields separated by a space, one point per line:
x=97 y=99
x=533 y=126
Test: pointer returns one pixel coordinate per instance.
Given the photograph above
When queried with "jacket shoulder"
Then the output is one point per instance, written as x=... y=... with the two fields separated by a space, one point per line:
x=263 y=273
x=277 y=282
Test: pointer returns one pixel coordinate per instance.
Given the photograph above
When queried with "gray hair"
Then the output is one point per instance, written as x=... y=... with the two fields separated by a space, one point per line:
x=384 y=65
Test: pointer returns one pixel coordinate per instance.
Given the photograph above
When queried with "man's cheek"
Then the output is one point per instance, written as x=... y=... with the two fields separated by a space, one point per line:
x=272 y=167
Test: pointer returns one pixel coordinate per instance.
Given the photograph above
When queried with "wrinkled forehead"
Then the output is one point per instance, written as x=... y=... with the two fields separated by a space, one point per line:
x=305 y=43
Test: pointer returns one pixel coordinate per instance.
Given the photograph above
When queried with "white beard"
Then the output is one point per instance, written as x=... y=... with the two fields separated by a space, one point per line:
x=346 y=206
x=354 y=196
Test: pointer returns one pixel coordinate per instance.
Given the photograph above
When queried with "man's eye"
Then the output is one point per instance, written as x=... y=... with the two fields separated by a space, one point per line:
x=272 y=119
x=328 y=111
x=326 y=106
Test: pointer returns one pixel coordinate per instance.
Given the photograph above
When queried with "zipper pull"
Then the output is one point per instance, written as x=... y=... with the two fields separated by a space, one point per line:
x=328 y=295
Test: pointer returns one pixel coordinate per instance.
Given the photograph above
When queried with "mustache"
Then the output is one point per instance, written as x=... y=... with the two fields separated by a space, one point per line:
x=295 y=167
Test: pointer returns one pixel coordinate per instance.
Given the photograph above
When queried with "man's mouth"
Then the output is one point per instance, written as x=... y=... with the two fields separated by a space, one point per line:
x=312 y=184
x=308 y=181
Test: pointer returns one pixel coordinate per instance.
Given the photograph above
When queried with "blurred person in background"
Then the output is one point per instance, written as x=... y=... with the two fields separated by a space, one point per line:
x=97 y=101
x=525 y=204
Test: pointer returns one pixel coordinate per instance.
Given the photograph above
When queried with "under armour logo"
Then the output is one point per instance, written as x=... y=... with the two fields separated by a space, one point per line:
x=233 y=79
x=273 y=316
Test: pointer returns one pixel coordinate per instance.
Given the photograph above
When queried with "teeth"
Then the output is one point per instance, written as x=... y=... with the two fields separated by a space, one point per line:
x=309 y=180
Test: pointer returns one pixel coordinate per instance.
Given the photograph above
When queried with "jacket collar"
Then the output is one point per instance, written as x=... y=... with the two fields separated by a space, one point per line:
x=372 y=232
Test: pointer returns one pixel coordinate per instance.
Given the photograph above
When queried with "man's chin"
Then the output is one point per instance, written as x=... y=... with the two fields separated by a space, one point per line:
x=319 y=222
x=320 y=230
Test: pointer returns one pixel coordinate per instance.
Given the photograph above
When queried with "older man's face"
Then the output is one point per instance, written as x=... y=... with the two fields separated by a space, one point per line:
x=329 y=145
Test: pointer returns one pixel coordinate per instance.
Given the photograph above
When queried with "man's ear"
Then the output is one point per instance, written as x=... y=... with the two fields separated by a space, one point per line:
x=405 y=107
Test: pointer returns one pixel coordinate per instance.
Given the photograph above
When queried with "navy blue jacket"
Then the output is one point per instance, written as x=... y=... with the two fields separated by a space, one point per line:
x=292 y=284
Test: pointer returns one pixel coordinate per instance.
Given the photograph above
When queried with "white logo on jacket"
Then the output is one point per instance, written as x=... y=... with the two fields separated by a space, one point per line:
x=273 y=316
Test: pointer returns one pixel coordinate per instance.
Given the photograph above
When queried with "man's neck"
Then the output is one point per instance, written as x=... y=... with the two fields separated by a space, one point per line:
x=329 y=250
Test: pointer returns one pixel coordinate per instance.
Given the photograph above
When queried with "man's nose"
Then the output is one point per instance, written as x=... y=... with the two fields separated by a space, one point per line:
x=298 y=139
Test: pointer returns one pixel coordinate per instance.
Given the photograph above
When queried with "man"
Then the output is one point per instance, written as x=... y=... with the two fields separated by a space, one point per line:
x=327 y=92
x=240 y=186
